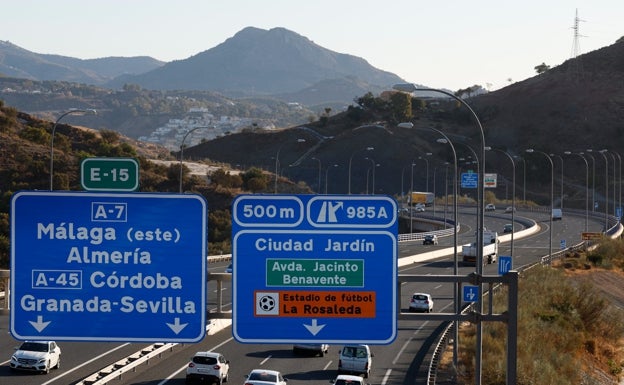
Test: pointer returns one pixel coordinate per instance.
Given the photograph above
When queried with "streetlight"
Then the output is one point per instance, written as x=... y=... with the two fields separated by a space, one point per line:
x=513 y=196
x=511 y=366
x=427 y=170
x=373 y=165
x=561 y=158
x=523 y=178
x=552 y=178
x=351 y=160
x=619 y=209
x=277 y=161
x=411 y=196
x=319 y=173
x=602 y=152
x=326 y=173
x=457 y=293
x=182 y=150
x=593 y=178
x=586 y=185
x=73 y=111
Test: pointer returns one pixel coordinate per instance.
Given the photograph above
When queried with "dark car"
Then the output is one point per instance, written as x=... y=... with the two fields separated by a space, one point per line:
x=430 y=239
x=508 y=228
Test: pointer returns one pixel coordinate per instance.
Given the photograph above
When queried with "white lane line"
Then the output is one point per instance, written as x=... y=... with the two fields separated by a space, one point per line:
x=83 y=364
x=386 y=376
x=328 y=365
x=185 y=365
x=396 y=358
x=265 y=360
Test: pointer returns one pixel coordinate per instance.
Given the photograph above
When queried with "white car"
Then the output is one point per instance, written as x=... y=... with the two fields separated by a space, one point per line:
x=209 y=367
x=490 y=207
x=421 y=302
x=38 y=356
x=356 y=359
x=346 y=379
x=265 y=377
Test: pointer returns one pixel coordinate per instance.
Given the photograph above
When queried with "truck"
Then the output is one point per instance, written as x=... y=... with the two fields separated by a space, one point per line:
x=490 y=249
x=425 y=198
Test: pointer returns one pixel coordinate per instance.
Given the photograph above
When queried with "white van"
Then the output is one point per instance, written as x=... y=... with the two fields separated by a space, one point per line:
x=557 y=214
x=356 y=359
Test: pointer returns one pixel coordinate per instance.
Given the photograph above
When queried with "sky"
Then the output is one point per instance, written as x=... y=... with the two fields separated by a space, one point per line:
x=449 y=44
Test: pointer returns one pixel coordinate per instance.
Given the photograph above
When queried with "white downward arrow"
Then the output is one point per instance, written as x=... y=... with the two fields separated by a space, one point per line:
x=314 y=328
x=39 y=325
x=176 y=326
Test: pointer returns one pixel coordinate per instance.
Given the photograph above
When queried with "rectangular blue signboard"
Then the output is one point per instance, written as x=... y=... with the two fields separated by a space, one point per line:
x=108 y=267
x=469 y=180
x=504 y=264
x=314 y=268
x=470 y=293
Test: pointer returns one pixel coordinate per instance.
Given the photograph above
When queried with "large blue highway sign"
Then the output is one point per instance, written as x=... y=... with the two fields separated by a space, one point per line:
x=469 y=180
x=314 y=268
x=108 y=267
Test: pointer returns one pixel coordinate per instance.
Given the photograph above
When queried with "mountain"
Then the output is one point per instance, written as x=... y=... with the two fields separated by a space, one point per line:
x=20 y=63
x=261 y=62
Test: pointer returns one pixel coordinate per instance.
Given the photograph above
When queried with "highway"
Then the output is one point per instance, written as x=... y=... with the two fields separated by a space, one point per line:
x=398 y=363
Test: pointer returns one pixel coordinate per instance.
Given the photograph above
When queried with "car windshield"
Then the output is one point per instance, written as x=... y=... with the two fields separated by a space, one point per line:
x=204 y=360
x=420 y=297
x=34 y=347
x=258 y=376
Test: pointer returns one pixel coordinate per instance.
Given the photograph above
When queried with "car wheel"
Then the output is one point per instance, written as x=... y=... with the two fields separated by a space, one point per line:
x=47 y=368
x=226 y=378
x=58 y=364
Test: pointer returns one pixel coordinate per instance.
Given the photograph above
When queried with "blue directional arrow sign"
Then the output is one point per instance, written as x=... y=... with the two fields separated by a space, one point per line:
x=108 y=267
x=504 y=264
x=314 y=268
x=471 y=293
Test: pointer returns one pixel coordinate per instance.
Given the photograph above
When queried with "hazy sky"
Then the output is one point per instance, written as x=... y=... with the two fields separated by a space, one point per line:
x=441 y=44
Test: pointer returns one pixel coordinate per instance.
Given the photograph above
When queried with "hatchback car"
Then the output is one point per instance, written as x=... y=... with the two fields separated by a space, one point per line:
x=38 y=356
x=508 y=228
x=421 y=302
x=208 y=367
x=316 y=349
x=510 y=209
x=265 y=377
x=346 y=379
x=430 y=239
x=490 y=207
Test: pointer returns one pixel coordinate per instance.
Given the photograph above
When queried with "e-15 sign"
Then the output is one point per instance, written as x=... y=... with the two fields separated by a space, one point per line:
x=109 y=174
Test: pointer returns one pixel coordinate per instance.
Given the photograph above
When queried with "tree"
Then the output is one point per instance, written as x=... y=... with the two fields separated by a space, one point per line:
x=540 y=69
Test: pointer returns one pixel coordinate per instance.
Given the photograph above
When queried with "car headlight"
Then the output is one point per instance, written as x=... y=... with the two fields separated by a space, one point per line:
x=13 y=358
x=42 y=361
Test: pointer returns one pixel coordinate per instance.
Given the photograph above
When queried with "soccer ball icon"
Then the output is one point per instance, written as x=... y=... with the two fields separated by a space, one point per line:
x=267 y=303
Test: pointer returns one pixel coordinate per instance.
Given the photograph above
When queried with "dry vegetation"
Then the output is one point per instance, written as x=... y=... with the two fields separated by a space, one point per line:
x=569 y=331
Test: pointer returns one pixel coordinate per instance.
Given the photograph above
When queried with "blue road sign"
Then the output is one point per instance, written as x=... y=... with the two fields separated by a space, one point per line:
x=314 y=268
x=562 y=244
x=108 y=267
x=504 y=264
x=469 y=180
x=471 y=293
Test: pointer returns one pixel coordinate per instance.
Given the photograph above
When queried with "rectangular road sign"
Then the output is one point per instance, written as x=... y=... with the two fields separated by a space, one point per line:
x=109 y=174
x=108 y=267
x=504 y=264
x=589 y=236
x=314 y=268
x=470 y=293
x=469 y=180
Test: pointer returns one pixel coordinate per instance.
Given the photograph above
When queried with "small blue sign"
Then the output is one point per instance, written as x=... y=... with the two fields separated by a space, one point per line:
x=562 y=244
x=469 y=180
x=108 y=267
x=504 y=264
x=314 y=268
x=471 y=293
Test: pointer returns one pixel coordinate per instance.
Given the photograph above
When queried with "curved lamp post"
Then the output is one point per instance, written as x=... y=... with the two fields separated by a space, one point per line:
x=457 y=293
x=602 y=152
x=182 y=149
x=277 y=161
x=319 y=173
x=586 y=185
x=373 y=166
x=513 y=196
x=326 y=174
x=351 y=161
x=560 y=158
x=552 y=188
x=73 y=111
x=593 y=178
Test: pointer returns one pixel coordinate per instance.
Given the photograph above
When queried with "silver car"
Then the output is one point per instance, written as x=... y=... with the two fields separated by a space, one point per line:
x=316 y=349
x=421 y=302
